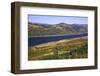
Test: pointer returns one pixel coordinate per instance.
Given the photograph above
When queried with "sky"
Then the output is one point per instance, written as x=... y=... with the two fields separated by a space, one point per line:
x=57 y=19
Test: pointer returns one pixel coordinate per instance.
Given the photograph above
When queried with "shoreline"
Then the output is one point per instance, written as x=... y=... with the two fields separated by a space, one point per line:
x=57 y=35
x=60 y=41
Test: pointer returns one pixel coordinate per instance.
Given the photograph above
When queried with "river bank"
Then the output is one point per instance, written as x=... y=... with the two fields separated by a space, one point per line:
x=41 y=40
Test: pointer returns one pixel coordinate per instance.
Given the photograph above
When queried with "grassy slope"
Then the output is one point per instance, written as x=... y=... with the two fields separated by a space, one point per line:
x=64 y=50
x=38 y=30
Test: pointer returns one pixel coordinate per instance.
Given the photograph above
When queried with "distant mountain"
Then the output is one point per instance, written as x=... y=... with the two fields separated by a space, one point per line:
x=40 y=29
x=40 y=24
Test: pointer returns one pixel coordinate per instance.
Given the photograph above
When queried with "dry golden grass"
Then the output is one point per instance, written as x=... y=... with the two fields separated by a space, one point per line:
x=63 y=50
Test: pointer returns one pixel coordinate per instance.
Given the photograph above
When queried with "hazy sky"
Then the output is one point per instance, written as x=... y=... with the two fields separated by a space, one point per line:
x=57 y=19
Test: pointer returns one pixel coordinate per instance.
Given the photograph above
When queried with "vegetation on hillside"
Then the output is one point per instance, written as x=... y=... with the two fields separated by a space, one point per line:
x=73 y=49
x=55 y=29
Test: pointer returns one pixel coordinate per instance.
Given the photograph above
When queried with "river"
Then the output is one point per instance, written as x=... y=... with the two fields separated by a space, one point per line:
x=40 y=40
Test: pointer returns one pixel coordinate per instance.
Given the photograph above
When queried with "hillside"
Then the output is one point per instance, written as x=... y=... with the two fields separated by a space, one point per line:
x=39 y=29
x=72 y=49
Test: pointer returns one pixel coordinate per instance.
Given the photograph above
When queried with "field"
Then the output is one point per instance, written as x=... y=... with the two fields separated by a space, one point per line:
x=64 y=49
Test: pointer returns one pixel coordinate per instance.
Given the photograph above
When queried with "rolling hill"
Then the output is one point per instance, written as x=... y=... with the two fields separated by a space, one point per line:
x=40 y=29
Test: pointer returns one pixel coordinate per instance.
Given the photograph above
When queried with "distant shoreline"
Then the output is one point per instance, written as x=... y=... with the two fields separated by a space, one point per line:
x=57 y=35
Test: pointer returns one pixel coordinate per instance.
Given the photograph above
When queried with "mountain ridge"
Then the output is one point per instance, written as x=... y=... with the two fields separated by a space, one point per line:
x=40 y=29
